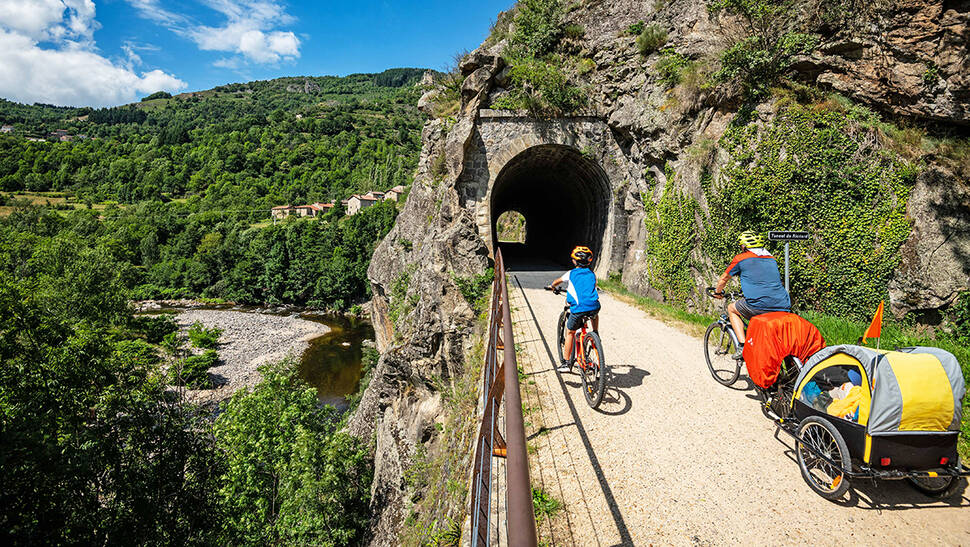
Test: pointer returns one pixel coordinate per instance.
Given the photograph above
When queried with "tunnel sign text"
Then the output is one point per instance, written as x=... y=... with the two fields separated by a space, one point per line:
x=787 y=236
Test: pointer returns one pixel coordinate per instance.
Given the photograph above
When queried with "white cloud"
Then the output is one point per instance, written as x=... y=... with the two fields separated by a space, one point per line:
x=43 y=20
x=250 y=29
x=48 y=55
x=150 y=9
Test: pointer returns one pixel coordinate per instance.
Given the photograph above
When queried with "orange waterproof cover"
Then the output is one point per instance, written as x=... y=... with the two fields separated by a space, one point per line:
x=774 y=336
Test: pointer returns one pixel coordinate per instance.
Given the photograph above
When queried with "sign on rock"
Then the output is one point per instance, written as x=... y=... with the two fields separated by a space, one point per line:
x=787 y=236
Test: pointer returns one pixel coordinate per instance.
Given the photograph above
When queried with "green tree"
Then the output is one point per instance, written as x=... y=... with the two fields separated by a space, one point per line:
x=94 y=450
x=291 y=477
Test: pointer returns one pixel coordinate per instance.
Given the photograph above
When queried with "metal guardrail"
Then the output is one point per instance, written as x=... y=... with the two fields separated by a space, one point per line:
x=501 y=378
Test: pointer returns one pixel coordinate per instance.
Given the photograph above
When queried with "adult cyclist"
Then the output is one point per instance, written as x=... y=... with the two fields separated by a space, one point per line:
x=582 y=298
x=760 y=282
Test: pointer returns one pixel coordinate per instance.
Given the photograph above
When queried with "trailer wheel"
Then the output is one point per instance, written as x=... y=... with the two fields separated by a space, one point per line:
x=934 y=487
x=826 y=479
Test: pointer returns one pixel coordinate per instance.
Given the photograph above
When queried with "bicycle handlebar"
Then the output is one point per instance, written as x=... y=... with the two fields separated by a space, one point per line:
x=732 y=295
x=555 y=290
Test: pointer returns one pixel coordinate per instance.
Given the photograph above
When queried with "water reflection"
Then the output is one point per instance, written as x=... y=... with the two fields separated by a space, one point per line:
x=332 y=363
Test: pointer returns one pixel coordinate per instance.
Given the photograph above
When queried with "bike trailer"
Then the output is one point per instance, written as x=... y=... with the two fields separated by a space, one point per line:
x=896 y=410
x=771 y=337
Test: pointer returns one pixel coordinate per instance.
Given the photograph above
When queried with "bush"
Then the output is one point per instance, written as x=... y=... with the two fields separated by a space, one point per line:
x=291 y=477
x=671 y=66
x=203 y=337
x=959 y=318
x=540 y=87
x=574 y=32
x=652 y=38
x=476 y=288
x=538 y=26
x=154 y=327
x=157 y=95
x=758 y=60
x=635 y=29
x=193 y=372
x=671 y=232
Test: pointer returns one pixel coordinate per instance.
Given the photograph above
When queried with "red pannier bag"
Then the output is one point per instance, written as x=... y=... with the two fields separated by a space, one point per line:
x=774 y=336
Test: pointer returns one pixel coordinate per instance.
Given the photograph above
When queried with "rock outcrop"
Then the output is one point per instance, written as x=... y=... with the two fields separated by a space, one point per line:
x=413 y=273
x=913 y=62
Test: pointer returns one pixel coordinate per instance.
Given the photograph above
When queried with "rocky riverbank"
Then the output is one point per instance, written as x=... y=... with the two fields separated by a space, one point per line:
x=248 y=341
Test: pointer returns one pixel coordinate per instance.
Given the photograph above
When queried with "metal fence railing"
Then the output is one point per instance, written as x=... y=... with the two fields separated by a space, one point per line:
x=501 y=382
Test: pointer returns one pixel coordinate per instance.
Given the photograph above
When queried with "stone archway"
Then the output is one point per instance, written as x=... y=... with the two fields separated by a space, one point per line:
x=564 y=196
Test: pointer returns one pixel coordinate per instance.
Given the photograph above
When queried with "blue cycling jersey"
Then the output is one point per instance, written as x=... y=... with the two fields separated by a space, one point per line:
x=581 y=292
x=760 y=281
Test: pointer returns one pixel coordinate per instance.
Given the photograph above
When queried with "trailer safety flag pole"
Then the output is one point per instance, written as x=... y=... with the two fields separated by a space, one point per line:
x=875 y=328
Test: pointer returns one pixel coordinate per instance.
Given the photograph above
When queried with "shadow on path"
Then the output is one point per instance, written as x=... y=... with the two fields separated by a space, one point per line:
x=625 y=537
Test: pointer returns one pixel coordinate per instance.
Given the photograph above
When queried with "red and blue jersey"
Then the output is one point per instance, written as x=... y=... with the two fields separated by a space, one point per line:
x=760 y=281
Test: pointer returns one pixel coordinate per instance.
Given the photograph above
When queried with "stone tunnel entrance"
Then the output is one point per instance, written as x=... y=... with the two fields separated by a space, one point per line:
x=564 y=197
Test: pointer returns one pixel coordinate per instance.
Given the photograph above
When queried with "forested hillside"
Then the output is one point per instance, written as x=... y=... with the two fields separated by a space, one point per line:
x=244 y=146
x=177 y=190
x=170 y=197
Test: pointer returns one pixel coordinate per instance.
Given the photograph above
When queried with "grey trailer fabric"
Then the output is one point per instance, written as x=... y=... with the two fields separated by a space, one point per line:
x=886 y=409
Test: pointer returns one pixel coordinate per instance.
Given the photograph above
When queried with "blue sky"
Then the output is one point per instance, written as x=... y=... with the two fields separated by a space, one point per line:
x=109 y=52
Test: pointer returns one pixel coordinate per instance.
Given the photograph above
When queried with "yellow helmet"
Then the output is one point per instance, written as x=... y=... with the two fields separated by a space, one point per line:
x=750 y=239
x=582 y=255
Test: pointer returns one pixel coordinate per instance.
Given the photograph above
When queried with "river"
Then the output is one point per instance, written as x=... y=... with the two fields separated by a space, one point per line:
x=332 y=363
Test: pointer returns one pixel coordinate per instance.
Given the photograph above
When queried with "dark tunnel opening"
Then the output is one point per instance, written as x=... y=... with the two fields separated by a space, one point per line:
x=564 y=198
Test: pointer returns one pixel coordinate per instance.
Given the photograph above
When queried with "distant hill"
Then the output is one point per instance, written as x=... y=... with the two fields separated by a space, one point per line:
x=253 y=145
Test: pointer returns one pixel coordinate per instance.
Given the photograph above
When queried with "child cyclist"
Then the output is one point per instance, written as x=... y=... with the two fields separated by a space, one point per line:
x=582 y=298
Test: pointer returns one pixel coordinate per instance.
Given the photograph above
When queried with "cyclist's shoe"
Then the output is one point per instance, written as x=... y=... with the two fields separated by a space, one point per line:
x=738 y=354
x=564 y=366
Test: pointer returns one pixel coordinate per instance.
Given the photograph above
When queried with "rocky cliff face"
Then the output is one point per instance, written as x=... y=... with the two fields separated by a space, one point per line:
x=424 y=327
x=909 y=59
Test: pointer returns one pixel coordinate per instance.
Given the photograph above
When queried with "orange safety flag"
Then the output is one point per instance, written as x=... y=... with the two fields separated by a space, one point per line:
x=875 y=328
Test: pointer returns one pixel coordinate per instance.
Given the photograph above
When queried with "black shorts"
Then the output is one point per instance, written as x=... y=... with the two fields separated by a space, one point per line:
x=747 y=311
x=575 y=321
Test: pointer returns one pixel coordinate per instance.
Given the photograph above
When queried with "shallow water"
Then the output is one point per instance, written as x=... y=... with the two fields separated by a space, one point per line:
x=332 y=363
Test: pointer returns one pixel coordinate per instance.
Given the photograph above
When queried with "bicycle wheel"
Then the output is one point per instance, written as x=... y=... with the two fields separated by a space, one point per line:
x=826 y=480
x=561 y=333
x=593 y=370
x=719 y=349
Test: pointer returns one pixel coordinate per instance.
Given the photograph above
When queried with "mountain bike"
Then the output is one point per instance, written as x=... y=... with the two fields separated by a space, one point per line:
x=721 y=343
x=587 y=354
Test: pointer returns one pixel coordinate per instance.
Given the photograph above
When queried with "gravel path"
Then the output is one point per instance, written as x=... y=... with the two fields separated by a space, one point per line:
x=672 y=457
x=248 y=341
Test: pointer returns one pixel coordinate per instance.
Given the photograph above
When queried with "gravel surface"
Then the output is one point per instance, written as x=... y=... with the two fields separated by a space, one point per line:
x=248 y=341
x=672 y=457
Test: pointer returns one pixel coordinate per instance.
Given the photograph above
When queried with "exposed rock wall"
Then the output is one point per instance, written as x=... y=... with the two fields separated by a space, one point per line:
x=435 y=238
x=912 y=62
